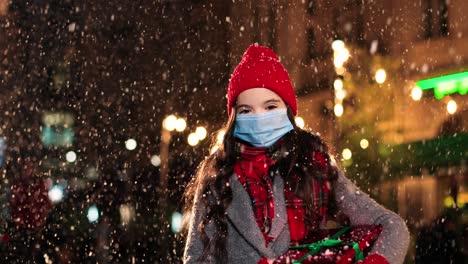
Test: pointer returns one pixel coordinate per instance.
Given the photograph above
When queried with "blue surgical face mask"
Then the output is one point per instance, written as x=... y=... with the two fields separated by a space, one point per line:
x=264 y=129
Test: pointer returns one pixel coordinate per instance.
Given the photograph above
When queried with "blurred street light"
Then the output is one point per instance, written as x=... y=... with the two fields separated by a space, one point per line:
x=338 y=84
x=452 y=107
x=338 y=45
x=380 y=76
x=180 y=124
x=70 y=156
x=416 y=93
x=93 y=214
x=340 y=70
x=193 y=139
x=338 y=109
x=364 y=143
x=201 y=132
x=55 y=193
x=155 y=160
x=131 y=144
x=347 y=154
x=299 y=121
x=340 y=94
x=169 y=122
x=197 y=136
x=176 y=222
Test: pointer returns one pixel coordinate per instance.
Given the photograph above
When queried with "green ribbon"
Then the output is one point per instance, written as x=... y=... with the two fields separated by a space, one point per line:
x=327 y=243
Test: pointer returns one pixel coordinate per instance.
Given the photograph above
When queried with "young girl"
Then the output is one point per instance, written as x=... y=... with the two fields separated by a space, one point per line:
x=271 y=183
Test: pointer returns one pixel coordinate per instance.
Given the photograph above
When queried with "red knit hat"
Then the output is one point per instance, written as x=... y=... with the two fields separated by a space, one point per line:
x=261 y=68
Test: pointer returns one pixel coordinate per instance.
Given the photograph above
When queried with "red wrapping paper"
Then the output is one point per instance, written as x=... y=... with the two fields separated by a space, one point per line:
x=364 y=236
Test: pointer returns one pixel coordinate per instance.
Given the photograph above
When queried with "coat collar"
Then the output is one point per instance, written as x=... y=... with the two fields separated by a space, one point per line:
x=240 y=214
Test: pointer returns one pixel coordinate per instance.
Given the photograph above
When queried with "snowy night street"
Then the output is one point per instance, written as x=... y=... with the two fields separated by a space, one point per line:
x=234 y=131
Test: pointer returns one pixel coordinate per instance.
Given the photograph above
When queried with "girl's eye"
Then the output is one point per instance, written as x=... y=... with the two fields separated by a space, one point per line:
x=244 y=111
x=271 y=107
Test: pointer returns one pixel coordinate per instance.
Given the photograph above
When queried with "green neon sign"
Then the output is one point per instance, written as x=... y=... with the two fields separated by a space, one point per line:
x=447 y=84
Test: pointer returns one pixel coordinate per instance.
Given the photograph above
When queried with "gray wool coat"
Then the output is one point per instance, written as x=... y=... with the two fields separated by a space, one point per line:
x=246 y=244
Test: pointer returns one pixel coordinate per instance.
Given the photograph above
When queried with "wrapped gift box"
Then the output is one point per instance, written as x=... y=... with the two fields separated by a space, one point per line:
x=344 y=245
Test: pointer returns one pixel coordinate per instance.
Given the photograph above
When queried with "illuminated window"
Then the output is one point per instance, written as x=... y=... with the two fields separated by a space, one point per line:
x=57 y=129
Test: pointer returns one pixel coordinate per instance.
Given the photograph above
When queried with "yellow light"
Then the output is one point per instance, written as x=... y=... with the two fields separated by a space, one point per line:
x=192 y=139
x=343 y=54
x=347 y=154
x=340 y=94
x=452 y=107
x=180 y=124
x=299 y=121
x=416 y=93
x=338 y=45
x=131 y=144
x=169 y=122
x=448 y=202
x=380 y=76
x=340 y=70
x=155 y=160
x=201 y=132
x=364 y=143
x=340 y=57
x=220 y=137
x=338 y=84
x=338 y=109
x=337 y=62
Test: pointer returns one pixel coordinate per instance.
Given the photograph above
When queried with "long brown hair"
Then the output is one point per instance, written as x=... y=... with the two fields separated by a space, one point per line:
x=210 y=182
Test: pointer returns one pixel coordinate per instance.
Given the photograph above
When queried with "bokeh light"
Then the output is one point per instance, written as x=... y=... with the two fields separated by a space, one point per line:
x=131 y=144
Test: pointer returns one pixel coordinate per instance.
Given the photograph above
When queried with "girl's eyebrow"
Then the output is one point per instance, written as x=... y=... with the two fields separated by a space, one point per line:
x=266 y=102
x=243 y=105
x=272 y=101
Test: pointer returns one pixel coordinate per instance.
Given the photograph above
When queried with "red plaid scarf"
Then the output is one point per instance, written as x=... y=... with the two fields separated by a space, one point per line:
x=252 y=169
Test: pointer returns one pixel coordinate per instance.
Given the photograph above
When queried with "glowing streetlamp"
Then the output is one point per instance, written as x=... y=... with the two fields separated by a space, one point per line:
x=131 y=144
x=340 y=94
x=299 y=121
x=338 y=109
x=193 y=139
x=197 y=136
x=180 y=124
x=347 y=154
x=338 y=84
x=451 y=107
x=155 y=160
x=416 y=93
x=380 y=76
x=169 y=122
x=55 y=193
x=364 y=143
x=70 y=156
x=338 y=45
x=93 y=214
x=201 y=132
